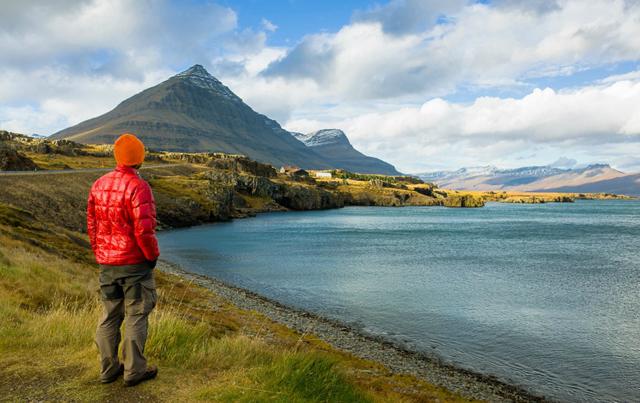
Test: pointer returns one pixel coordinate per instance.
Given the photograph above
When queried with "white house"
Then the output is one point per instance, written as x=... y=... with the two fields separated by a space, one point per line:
x=323 y=174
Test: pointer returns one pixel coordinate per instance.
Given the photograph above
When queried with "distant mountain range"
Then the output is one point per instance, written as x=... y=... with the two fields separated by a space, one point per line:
x=193 y=111
x=596 y=178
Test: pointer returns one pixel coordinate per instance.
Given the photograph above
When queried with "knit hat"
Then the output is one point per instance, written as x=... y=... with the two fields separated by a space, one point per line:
x=128 y=150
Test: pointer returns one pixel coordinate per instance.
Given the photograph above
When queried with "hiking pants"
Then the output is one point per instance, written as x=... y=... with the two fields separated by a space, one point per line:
x=129 y=295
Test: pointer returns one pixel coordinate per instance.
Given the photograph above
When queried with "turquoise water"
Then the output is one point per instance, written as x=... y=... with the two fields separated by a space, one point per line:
x=544 y=296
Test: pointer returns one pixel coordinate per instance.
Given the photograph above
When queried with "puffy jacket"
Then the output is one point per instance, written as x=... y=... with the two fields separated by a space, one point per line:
x=121 y=219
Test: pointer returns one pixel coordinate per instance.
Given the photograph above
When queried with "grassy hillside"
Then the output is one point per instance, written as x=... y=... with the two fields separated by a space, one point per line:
x=206 y=348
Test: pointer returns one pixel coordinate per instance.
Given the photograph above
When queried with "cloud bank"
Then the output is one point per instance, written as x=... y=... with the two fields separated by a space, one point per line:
x=545 y=123
x=422 y=83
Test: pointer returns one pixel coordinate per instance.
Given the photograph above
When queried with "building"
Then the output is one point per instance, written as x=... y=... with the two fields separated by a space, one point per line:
x=323 y=175
x=293 y=171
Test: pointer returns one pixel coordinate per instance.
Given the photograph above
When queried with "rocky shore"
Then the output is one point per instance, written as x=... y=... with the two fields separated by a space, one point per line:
x=397 y=358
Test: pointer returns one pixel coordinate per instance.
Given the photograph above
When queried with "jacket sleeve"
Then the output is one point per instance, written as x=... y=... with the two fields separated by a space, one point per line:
x=143 y=209
x=91 y=220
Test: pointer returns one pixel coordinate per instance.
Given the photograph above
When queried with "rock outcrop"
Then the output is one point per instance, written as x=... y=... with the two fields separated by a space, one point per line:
x=454 y=200
x=12 y=160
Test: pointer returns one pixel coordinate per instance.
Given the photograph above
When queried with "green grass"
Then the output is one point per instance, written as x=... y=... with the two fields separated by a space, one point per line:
x=289 y=377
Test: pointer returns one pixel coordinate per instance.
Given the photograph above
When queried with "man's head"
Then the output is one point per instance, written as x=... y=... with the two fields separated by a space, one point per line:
x=128 y=150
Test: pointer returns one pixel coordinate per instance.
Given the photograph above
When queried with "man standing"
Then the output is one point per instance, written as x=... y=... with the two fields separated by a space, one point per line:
x=121 y=222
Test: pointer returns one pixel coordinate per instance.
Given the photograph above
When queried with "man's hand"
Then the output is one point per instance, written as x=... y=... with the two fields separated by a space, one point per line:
x=152 y=263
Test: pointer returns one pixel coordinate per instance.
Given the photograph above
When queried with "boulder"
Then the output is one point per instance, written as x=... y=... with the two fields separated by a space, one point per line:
x=12 y=160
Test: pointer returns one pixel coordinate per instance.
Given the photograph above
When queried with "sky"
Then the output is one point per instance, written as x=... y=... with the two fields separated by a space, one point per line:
x=423 y=84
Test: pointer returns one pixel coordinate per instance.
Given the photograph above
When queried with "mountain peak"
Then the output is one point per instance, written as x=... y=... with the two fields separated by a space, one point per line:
x=199 y=76
x=323 y=137
x=197 y=70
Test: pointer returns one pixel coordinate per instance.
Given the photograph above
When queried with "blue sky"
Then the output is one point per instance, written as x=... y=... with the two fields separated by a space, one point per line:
x=423 y=84
x=295 y=18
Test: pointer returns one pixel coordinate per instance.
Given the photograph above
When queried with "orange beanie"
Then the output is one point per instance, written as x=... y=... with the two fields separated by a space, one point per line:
x=128 y=150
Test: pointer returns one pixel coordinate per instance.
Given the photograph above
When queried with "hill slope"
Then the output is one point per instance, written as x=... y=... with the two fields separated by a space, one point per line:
x=334 y=146
x=627 y=184
x=193 y=111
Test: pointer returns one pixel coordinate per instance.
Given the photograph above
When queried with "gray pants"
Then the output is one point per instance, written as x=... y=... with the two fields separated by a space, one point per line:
x=129 y=295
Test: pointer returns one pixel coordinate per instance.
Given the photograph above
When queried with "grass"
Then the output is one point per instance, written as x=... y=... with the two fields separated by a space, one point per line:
x=192 y=188
x=47 y=329
x=57 y=161
x=364 y=193
x=206 y=348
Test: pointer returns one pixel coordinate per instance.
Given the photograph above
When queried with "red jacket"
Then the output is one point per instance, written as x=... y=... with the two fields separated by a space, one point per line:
x=121 y=219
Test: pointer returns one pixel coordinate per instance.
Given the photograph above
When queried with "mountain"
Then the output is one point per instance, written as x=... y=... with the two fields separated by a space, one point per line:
x=445 y=178
x=334 y=146
x=193 y=111
x=628 y=185
x=536 y=178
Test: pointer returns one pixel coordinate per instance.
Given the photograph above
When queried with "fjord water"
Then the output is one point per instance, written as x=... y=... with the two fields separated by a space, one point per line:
x=544 y=296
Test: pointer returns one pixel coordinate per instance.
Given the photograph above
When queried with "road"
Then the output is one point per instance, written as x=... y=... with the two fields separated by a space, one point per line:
x=82 y=170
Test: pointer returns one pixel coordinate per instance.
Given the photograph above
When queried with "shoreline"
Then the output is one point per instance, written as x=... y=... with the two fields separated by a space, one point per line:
x=396 y=358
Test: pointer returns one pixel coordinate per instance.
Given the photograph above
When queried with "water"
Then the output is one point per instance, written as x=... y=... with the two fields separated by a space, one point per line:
x=545 y=296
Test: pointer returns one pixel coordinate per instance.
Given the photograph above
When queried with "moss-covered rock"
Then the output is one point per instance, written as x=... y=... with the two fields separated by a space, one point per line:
x=12 y=160
x=466 y=200
x=301 y=197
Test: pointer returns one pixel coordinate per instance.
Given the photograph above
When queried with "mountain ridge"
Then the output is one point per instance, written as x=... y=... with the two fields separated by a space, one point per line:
x=193 y=111
x=543 y=178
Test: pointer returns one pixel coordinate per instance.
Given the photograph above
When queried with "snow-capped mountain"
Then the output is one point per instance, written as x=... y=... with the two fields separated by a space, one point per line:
x=334 y=146
x=532 y=178
x=323 y=137
x=438 y=176
x=200 y=77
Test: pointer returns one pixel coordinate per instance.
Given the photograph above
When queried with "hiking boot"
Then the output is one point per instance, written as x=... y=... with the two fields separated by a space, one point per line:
x=150 y=373
x=115 y=376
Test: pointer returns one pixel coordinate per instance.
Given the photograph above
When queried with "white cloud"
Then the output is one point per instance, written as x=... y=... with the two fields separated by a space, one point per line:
x=632 y=75
x=67 y=61
x=27 y=119
x=441 y=133
x=478 y=45
x=268 y=25
x=89 y=35
x=406 y=16
x=564 y=162
x=65 y=98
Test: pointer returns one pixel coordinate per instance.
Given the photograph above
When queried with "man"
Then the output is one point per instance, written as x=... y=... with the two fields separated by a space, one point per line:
x=121 y=222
